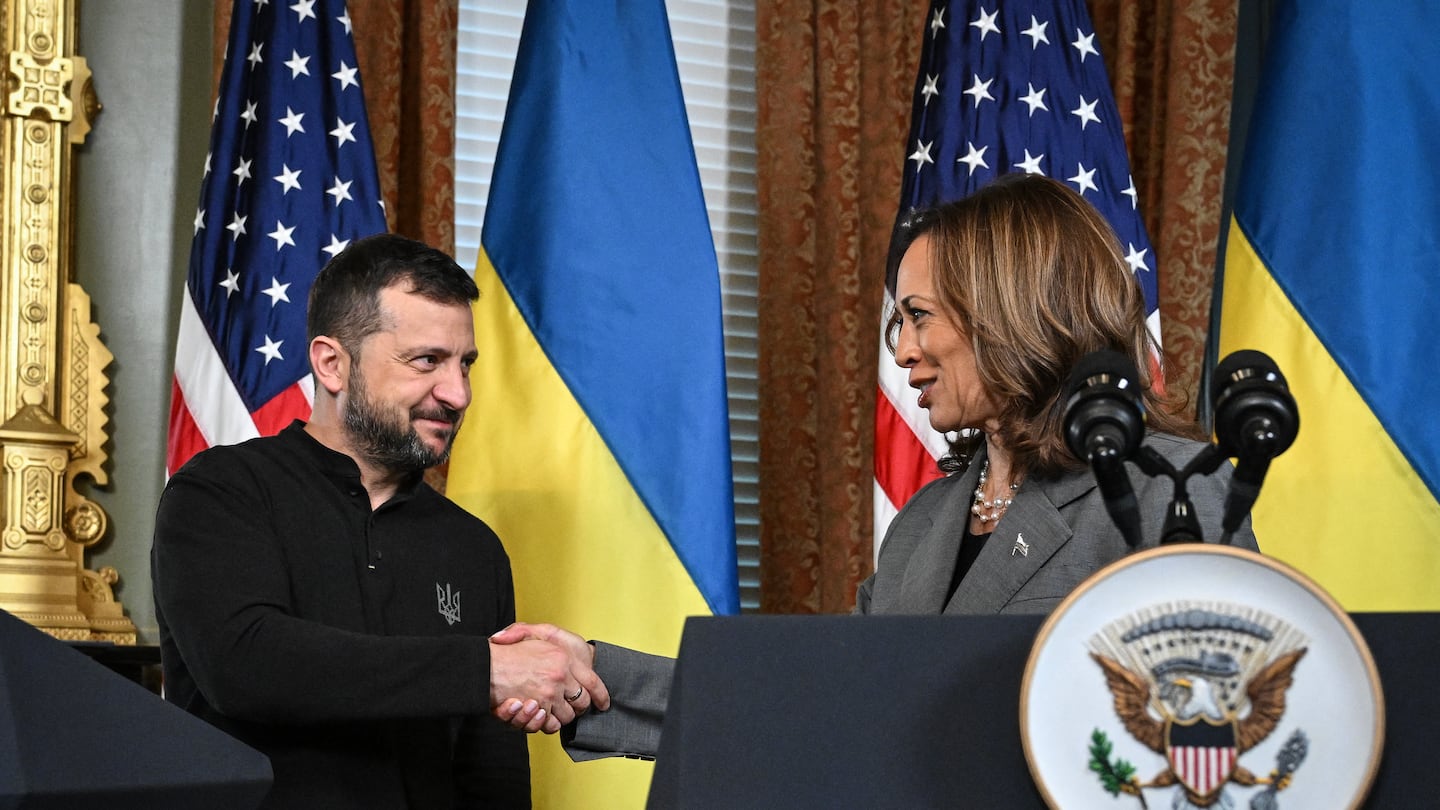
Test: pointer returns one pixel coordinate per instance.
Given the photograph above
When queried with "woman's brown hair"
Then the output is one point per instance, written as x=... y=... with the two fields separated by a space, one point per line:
x=1034 y=275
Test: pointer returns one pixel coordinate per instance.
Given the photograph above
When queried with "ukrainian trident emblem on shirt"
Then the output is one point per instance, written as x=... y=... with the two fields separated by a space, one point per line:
x=449 y=603
x=1200 y=684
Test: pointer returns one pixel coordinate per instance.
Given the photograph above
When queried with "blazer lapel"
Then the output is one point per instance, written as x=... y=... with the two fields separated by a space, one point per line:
x=930 y=568
x=1029 y=533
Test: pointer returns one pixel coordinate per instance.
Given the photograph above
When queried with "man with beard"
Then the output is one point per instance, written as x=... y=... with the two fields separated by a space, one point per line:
x=319 y=601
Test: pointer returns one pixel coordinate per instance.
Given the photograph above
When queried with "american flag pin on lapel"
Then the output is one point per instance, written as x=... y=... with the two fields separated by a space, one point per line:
x=1021 y=547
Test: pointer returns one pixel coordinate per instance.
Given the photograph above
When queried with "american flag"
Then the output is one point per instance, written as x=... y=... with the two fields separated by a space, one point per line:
x=289 y=181
x=1003 y=86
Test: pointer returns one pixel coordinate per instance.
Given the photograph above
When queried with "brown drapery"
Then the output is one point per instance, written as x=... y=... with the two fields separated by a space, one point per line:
x=833 y=84
x=833 y=89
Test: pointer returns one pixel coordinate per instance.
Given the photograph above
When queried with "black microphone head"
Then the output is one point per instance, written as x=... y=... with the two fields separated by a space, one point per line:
x=1255 y=414
x=1104 y=413
x=1110 y=366
x=1244 y=364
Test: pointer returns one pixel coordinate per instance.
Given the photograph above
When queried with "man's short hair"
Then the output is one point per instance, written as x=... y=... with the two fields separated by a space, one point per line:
x=345 y=298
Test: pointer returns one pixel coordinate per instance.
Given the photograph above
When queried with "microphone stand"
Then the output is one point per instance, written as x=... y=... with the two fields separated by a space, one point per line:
x=1181 y=525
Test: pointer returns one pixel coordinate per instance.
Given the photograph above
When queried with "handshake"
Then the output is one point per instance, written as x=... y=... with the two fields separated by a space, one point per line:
x=543 y=677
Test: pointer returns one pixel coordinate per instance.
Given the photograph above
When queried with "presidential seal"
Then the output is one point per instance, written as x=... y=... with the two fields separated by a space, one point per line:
x=1201 y=684
x=1200 y=676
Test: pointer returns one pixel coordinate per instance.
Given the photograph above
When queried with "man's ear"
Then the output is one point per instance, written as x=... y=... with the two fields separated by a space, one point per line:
x=331 y=364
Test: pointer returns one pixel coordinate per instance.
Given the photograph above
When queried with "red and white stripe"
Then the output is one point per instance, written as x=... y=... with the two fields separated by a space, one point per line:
x=906 y=447
x=1202 y=769
x=206 y=408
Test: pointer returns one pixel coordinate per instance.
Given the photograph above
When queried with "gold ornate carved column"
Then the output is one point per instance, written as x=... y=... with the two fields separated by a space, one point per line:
x=52 y=385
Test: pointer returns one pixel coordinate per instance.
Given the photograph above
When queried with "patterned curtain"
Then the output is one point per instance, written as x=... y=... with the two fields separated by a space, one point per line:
x=407 y=67
x=834 y=85
x=834 y=81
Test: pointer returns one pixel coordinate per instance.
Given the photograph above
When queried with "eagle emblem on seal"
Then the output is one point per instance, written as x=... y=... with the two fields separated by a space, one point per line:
x=1200 y=684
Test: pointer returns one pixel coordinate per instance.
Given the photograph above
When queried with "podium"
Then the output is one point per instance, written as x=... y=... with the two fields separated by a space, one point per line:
x=923 y=712
x=74 y=734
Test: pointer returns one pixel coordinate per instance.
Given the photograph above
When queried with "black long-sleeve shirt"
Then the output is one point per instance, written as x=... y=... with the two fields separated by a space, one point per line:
x=349 y=645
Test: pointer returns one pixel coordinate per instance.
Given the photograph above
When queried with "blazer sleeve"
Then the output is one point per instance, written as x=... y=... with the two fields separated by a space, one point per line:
x=639 y=685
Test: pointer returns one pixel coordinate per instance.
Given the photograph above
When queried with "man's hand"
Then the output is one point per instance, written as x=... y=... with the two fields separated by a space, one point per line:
x=530 y=714
x=537 y=673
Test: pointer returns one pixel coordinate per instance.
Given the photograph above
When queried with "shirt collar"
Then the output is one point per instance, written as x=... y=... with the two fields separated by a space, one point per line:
x=339 y=468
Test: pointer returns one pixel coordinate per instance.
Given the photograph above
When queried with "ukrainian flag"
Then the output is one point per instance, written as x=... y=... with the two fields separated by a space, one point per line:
x=1333 y=268
x=597 y=444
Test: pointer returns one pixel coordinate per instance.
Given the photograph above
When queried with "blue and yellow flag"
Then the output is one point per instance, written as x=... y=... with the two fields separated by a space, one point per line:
x=1333 y=268
x=597 y=444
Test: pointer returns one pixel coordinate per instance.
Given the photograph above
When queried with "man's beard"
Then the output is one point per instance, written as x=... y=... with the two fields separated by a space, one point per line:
x=390 y=443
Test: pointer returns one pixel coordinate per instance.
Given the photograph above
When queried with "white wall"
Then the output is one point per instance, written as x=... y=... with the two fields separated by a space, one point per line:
x=137 y=183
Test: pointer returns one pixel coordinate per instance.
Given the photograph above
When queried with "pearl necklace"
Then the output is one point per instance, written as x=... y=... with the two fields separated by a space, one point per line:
x=988 y=511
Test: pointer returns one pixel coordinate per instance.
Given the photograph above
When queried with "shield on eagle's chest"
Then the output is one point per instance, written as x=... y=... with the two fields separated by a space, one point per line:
x=1202 y=753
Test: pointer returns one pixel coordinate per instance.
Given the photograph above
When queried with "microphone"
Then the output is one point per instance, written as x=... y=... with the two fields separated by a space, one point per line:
x=1104 y=425
x=1255 y=421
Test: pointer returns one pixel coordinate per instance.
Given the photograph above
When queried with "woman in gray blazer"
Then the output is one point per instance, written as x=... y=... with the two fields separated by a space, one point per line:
x=998 y=297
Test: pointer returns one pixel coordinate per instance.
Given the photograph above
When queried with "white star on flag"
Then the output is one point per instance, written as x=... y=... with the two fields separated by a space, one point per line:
x=974 y=158
x=291 y=121
x=237 y=226
x=1084 y=178
x=1036 y=32
x=271 y=350
x=986 y=23
x=336 y=245
x=298 y=64
x=922 y=154
x=1031 y=164
x=1132 y=194
x=276 y=291
x=343 y=132
x=340 y=191
x=1086 y=112
x=289 y=179
x=282 y=235
x=931 y=88
x=1135 y=258
x=980 y=91
x=345 y=75
x=1034 y=99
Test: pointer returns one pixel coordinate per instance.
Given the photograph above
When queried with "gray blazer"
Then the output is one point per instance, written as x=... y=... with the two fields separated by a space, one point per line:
x=1054 y=535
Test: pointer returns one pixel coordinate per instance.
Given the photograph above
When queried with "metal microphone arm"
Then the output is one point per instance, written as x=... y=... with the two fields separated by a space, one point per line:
x=1181 y=524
